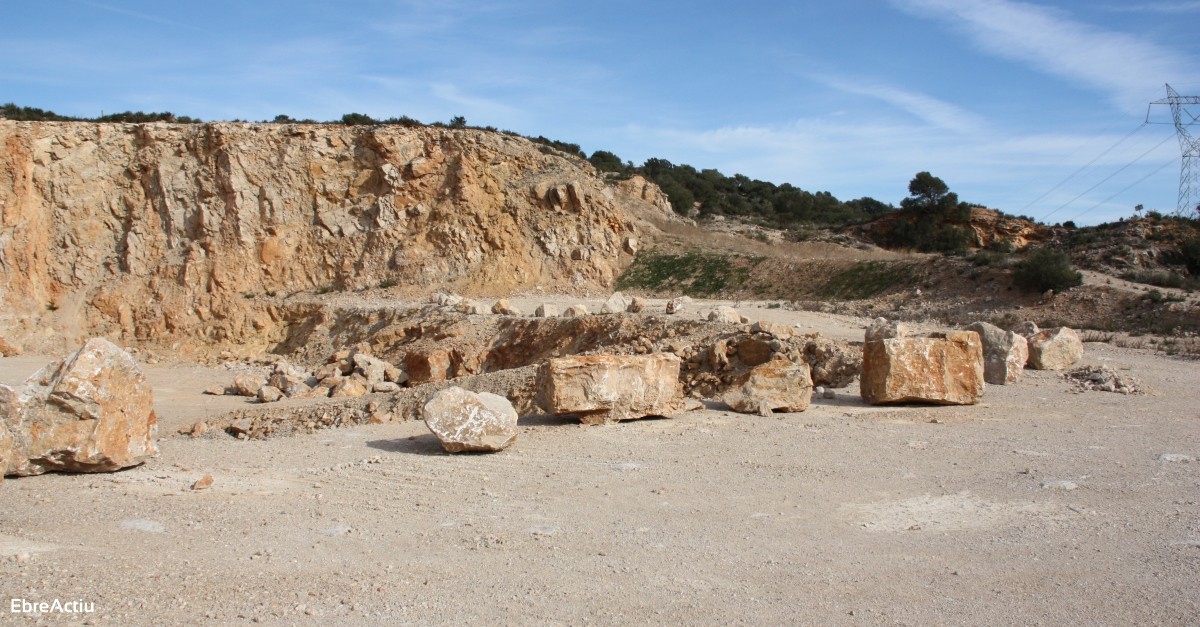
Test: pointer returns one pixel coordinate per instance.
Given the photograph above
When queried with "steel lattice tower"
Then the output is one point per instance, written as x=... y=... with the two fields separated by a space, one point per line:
x=1189 y=173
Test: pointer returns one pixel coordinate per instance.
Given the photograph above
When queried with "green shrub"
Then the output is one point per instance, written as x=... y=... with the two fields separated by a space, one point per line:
x=1046 y=269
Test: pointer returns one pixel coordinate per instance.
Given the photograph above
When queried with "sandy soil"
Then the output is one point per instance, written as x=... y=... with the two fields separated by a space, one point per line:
x=1039 y=506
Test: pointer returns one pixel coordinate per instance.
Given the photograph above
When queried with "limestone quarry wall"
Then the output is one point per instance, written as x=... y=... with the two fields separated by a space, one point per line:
x=177 y=232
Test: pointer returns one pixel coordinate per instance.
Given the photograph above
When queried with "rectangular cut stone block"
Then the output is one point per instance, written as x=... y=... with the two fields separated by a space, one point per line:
x=946 y=369
x=601 y=389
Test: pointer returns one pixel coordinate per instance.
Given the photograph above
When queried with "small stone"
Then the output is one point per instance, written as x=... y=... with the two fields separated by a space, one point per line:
x=575 y=311
x=503 y=308
x=203 y=483
x=829 y=394
x=637 y=304
x=385 y=387
x=676 y=305
x=546 y=310
x=1176 y=458
x=215 y=390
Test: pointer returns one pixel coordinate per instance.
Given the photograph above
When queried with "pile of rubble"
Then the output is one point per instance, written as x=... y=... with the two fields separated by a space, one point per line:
x=1102 y=379
x=348 y=373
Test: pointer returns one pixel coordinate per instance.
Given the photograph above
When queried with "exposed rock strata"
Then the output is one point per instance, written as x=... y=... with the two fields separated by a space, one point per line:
x=188 y=232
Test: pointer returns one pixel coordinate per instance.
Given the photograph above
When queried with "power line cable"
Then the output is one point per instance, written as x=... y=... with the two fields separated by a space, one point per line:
x=1126 y=188
x=1083 y=167
x=1107 y=178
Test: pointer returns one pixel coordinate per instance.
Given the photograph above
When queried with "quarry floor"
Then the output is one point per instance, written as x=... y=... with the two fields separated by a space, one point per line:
x=1038 y=506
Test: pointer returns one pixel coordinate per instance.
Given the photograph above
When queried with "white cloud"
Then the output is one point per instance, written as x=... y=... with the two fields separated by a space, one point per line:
x=1128 y=68
x=937 y=113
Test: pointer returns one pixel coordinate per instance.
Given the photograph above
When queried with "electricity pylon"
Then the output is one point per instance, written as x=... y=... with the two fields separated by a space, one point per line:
x=1189 y=172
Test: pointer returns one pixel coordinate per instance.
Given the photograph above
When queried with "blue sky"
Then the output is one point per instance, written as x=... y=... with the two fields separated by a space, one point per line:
x=1004 y=100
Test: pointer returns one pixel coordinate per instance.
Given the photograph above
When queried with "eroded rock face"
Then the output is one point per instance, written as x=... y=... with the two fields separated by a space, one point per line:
x=161 y=229
x=777 y=385
x=1055 y=349
x=1004 y=353
x=91 y=412
x=946 y=369
x=469 y=421
x=602 y=389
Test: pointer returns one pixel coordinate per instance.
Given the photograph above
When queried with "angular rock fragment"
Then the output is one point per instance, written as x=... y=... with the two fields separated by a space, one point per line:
x=777 y=329
x=615 y=304
x=676 y=305
x=777 y=385
x=883 y=329
x=428 y=367
x=269 y=394
x=945 y=369
x=8 y=349
x=349 y=387
x=468 y=421
x=1055 y=349
x=247 y=384
x=575 y=311
x=602 y=389
x=1004 y=353
x=725 y=314
x=90 y=412
x=637 y=304
x=503 y=308
x=546 y=310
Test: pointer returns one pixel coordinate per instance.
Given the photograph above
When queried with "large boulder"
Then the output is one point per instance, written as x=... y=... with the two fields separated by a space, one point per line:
x=777 y=385
x=468 y=421
x=602 y=389
x=945 y=369
x=615 y=304
x=91 y=412
x=1055 y=349
x=725 y=313
x=1004 y=353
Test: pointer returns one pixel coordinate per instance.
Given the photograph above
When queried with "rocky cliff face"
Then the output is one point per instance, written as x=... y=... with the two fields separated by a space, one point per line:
x=185 y=232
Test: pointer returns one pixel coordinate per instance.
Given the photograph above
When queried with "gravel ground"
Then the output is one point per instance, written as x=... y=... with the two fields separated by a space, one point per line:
x=1038 y=506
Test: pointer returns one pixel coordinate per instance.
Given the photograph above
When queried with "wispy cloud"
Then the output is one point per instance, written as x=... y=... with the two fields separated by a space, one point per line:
x=141 y=16
x=1128 y=68
x=1154 y=7
x=933 y=111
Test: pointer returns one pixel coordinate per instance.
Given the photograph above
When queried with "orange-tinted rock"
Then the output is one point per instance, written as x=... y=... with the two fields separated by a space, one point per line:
x=777 y=385
x=1055 y=349
x=601 y=389
x=427 y=367
x=945 y=369
x=91 y=412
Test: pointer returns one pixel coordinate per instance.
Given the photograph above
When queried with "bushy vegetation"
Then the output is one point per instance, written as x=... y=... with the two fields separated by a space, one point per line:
x=693 y=273
x=931 y=219
x=1046 y=269
x=33 y=114
x=712 y=193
